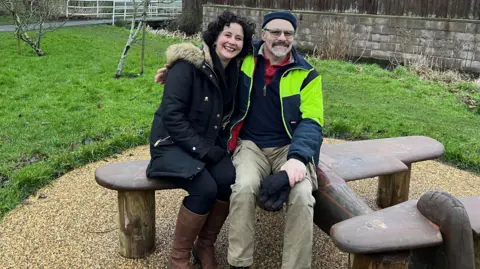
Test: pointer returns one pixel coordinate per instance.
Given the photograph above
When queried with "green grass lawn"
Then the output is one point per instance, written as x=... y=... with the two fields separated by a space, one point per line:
x=376 y=103
x=5 y=20
x=65 y=109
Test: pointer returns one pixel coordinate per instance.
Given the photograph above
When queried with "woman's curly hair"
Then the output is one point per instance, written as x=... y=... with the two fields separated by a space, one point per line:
x=214 y=29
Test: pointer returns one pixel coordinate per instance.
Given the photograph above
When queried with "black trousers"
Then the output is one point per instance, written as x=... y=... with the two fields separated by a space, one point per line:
x=211 y=184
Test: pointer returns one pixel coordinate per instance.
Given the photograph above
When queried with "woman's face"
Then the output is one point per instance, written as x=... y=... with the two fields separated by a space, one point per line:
x=230 y=42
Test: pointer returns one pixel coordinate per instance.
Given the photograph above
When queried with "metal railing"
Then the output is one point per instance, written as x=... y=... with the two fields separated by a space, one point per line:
x=123 y=9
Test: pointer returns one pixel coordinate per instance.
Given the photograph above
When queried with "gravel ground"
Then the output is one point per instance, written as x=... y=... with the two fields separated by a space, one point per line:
x=72 y=223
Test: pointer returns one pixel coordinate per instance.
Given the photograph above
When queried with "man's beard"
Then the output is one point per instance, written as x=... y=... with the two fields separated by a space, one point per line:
x=281 y=53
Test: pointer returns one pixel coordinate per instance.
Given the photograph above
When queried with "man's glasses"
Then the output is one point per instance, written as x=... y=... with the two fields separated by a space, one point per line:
x=278 y=32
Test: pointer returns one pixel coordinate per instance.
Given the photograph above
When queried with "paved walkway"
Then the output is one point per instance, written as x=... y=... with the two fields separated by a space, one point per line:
x=11 y=28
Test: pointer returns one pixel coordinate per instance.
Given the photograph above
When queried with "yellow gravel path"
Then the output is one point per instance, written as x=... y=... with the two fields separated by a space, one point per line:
x=72 y=222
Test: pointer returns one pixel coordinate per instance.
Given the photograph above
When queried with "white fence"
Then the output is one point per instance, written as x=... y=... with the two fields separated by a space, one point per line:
x=123 y=9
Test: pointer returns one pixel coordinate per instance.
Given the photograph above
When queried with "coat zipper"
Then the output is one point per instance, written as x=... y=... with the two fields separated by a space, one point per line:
x=233 y=106
x=160 y=141
x=281 y=99
x=218 y=87
x=248 y=102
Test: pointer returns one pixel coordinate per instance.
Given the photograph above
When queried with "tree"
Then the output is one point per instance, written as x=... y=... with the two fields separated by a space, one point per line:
x=132 y=38
x=33 y=15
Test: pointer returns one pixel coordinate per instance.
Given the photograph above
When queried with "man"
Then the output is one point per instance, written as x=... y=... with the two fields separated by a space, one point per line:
x=277 y=125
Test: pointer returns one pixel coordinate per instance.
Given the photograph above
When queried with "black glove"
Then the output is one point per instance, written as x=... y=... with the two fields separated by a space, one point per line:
x=214 y=155
x=275 y=202
x=274 y=191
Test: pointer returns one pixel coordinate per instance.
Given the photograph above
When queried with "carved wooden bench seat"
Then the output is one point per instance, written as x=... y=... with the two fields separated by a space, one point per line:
x=390 y=159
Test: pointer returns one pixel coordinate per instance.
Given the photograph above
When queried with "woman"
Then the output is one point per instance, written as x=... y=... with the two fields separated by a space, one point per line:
x=185 y=148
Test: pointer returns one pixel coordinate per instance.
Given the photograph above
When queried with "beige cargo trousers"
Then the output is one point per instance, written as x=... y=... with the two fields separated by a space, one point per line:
x=252 y=164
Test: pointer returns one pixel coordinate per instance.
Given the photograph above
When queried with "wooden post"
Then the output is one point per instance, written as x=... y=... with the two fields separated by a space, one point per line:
x=378 y=261
x=136 y=211
x=476 y=246
x=393 y=189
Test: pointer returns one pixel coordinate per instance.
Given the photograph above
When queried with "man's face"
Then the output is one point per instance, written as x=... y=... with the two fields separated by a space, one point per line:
x=278 y=35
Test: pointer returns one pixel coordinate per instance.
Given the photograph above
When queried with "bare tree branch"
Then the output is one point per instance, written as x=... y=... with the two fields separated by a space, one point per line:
x=33 y=15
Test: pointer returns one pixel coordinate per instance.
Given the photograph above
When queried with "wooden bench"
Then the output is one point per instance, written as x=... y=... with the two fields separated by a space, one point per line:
x=388 y=158
x=384 y=157
x=136 y=204
x=436 y=231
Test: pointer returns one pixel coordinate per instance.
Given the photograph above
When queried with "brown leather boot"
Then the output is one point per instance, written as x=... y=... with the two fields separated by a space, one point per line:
x=203 y=250
x=187 y=228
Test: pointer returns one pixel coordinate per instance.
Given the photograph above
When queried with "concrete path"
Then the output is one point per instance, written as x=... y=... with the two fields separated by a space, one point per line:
x=11 y=28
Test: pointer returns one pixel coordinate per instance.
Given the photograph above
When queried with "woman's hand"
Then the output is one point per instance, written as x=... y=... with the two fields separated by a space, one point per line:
x=161 y=76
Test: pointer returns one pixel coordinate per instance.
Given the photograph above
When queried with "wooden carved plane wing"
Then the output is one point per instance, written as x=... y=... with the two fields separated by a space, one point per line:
x=394 y=228
x=368 y=158
x=357 y=166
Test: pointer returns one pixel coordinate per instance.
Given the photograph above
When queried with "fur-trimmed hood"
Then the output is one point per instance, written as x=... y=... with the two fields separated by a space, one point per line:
x=195 y=55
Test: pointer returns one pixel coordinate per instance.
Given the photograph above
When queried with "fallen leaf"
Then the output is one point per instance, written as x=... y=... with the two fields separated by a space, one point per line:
x=73 y=146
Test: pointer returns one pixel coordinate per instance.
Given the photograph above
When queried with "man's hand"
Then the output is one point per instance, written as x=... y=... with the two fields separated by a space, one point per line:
x=161 y=76
x=296 y=171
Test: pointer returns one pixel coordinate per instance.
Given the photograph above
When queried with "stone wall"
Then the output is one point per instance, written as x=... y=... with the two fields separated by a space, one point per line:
x=438 y=42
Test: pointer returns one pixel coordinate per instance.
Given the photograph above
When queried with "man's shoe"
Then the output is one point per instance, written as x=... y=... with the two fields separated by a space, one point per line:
x=187 y=228
x=204 y=250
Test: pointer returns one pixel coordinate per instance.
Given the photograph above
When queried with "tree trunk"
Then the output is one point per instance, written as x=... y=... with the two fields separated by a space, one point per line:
x=131 y=39
x=144 y=20
x=32 y=44
x=19 y=46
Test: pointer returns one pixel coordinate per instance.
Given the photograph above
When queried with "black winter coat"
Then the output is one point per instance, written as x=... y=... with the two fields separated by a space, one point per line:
x=187 y=123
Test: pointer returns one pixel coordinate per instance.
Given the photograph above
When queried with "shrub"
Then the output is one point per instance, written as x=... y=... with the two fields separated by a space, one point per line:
x=189 y=23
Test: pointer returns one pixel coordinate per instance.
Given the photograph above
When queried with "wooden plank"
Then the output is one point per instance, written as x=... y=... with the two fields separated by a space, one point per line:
x=407 y=149
x=129 y=176
x=472 y=204
x=335 y=200
x=358 y=166
x=400 y=227
x=476 y=10
x=465 y=9
x=387 y=7
x=461 y=9
x=442 y=9
x=398 y=261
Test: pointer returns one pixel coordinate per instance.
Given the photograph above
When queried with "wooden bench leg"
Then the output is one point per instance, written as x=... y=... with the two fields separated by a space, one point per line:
x=136 y=210
x=394 y=261
x=393 y=189
x=476 y=246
